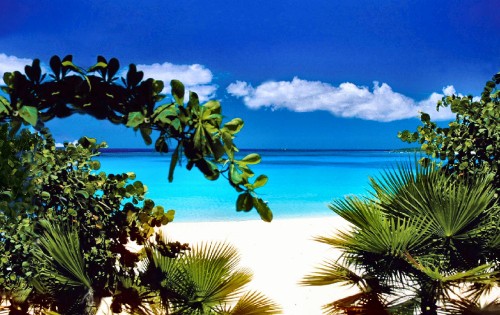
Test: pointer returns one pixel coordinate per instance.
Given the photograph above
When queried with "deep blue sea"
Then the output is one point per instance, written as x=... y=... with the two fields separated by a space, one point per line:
x=301 y=182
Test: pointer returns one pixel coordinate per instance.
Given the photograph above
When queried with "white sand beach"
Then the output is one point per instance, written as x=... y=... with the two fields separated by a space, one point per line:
x=279 y=254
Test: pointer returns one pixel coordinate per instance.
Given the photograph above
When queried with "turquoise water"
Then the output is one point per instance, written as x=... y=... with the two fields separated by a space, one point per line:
x=301 y=183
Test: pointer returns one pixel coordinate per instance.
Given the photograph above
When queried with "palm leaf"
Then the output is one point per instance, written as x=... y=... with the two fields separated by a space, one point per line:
x=359 y=303
x=471 y=307
x=201 y=279
x=62 y=270
x=212 y=269
x=374 y=232
x=60 y=252
x=253 y=303
x=331 y=272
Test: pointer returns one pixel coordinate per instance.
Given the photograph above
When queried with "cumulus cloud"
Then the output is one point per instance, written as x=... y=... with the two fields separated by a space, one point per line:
x=195 y=77
x=10 y=64
x=348 y=100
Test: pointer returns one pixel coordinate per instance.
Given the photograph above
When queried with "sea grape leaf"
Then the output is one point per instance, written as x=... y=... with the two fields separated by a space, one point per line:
x=235 y=176
x=29 y=114
x=263 y=209
x=193 y=101
x=146 y=135
x=178 y=91
x=252 y=158
x=4 y=104
x=173 y=162
x=244 y=202
x=260 y=181
x=161 y=145
x=135 y=119
x=163 y=112
x=234 y=125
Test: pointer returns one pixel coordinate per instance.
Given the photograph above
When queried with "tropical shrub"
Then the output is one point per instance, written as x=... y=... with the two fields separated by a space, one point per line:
x=420 y=238
x=65 y=226
x=63 y=186
x=203 y=280
x=471 y=143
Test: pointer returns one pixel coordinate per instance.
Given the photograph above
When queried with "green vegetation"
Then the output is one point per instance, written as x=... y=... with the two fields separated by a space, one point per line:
x=427 y=240
x=202 y=139
x=421 y=235
x=65 y=226
x=471 y=143
x=204 y=281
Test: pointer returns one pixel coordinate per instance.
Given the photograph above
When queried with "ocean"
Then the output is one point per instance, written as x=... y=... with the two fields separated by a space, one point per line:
x=301 y=182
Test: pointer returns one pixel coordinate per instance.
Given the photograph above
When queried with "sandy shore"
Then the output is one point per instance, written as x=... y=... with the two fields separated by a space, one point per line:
x=279 y=254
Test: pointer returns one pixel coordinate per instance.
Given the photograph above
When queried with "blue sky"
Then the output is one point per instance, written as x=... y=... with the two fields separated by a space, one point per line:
x=302 y=74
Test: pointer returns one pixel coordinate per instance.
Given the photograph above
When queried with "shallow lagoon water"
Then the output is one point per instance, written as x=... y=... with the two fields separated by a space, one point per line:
x=301 y=183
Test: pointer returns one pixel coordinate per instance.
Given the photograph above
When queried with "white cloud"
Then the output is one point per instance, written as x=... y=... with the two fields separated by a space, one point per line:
x=11 y=64
x=346 y=100
x=195 y=77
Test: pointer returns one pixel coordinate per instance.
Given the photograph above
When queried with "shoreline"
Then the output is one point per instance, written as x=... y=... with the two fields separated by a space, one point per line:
x=279 y=254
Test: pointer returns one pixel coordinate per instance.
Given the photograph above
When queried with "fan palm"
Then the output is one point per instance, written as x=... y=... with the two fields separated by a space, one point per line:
x=61 y=271
x=421 y=233
x=204 y=280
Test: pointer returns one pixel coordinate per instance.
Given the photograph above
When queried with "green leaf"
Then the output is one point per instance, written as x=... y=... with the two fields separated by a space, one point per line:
x=83 y=193
x=29 y=114
x=55 y=65
x=178 y=91
x=95 y=165
x=235 y=175
x=70 y=65
x=227 y=140
x=161 y=145
x=263 y=209
x=146 y=135
x=45 y=195
x=98 y=66
x=163 y=113
x=6 y=193
x=244 y=202
x=252 y=158
x=170 y=215
x=210 y=108
x=234 y=126
x=173 y=162
x=135 y=119
x=194 y=101
x=260 y=181
x=208 y=168
x=4 y=105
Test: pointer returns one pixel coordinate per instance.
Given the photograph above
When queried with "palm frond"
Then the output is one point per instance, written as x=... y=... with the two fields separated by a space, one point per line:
x=359 y=303
x=60 y=252
x=136 y=299
x=61 y=272
x=404 y=305
x=198 y=281
x=331 y=272
x=212 y=268
x=471 y=307
x=358 y=212
x=253 y=303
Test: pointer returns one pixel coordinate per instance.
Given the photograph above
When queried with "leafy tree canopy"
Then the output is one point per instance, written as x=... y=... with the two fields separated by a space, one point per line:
x=40 y=95
x=471 y=143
